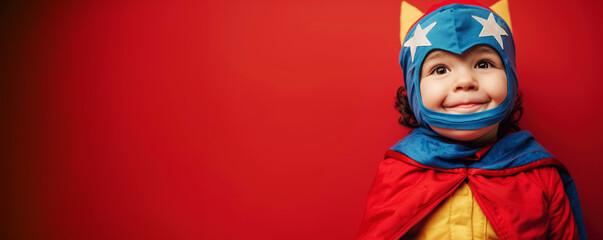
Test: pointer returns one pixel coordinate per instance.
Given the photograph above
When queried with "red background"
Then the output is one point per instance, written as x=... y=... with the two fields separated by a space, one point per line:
x=244 y=119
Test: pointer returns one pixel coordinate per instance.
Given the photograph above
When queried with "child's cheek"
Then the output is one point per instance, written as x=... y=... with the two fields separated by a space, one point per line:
x=496 y=87
x=433 y=94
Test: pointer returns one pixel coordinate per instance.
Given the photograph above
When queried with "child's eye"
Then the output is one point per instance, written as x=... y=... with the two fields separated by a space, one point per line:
x=439 y=70
x=484 y=64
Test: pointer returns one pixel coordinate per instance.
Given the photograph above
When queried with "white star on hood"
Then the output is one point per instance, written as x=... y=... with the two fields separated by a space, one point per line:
x=418 y=39
x=491 y=28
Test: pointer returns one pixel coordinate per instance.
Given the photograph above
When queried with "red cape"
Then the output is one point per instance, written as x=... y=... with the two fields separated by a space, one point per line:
x=526 y=202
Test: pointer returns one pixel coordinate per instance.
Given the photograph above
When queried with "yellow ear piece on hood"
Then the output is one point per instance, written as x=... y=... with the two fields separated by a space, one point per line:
x=502 y=9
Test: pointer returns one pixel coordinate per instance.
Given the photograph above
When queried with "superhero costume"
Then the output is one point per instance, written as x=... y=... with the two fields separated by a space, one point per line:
x=524 y=192
x=516 y=182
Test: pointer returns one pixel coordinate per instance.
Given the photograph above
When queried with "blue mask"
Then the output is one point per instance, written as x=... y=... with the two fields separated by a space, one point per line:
x=456 y=28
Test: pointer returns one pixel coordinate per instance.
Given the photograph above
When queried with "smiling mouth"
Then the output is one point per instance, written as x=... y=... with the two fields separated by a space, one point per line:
x=463 y=108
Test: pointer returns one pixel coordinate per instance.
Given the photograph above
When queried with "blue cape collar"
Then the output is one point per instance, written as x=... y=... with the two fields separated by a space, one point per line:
x=429 y=148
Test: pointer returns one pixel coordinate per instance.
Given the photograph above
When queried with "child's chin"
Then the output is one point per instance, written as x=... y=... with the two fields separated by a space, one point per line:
x=482 y=135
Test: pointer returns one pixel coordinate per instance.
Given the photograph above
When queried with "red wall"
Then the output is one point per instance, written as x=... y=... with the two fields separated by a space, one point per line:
x=244 y=119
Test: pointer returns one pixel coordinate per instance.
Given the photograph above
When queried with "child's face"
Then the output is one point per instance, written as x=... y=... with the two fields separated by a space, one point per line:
x=458 y=84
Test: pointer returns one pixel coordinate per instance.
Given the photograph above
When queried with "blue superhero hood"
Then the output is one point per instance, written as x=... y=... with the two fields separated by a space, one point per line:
x=456 y=28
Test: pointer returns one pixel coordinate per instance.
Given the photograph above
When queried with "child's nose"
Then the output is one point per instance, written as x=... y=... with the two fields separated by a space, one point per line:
x=465 y=82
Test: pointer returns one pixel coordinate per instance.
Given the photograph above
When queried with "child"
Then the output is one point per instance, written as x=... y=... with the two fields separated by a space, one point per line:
x=465 y=172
